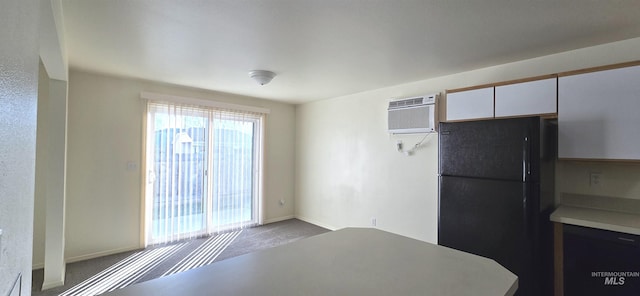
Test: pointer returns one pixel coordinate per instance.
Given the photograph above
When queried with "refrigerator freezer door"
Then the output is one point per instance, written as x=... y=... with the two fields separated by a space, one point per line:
x=492 y=149
x=488 y=218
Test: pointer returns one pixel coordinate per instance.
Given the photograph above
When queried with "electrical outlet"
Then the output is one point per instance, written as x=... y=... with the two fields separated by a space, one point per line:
x=595 y=179
x=132 y=166
x=374 y=222
x=281 y=202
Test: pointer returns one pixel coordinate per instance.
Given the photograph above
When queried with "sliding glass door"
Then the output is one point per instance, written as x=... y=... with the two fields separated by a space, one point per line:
x=232 y=172
x=203 y=171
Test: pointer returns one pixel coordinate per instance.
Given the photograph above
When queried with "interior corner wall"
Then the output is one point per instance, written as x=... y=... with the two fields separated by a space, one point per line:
x=40 y=202
x=105 y=132
x=348 y=170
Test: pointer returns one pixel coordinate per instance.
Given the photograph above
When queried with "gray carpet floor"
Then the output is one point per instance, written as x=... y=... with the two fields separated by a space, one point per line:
x=249 y=240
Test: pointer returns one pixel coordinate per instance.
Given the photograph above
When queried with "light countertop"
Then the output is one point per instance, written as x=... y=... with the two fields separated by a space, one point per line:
x=350 y=261
x=612 y=214
x=601 y=219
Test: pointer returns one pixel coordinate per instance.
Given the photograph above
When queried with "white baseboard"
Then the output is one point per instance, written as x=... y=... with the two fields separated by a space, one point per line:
x=305 y=219
x=40 y=265
x=278 y=219
x=101 y=254
x=49 y=285
x=133 y=248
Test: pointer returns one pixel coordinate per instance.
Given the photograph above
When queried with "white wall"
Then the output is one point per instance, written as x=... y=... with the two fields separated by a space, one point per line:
x=56 y=145
x=18 y=119
x=40 y=204
x=105 y=132
x=51 y=146
x=347 y=169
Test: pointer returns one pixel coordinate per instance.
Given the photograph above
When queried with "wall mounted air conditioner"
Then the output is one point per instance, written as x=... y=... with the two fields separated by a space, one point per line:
x=413 y=115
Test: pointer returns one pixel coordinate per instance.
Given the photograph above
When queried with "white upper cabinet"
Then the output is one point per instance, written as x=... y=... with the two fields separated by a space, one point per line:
x=527 y=98
x=470 y=104
x=599 y=115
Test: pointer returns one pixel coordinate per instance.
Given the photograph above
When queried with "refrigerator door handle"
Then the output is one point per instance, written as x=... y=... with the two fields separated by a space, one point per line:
x=526 y=164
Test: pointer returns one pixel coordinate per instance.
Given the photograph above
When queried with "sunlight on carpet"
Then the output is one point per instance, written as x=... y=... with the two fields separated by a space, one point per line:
x=205 y=253
x=134 y=267
x=124 y=272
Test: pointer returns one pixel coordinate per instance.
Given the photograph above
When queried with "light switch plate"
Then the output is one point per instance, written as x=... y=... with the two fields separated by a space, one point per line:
x=595 y=179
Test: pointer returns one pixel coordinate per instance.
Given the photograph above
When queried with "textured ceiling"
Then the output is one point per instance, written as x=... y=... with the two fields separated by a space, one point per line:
x=329 y=48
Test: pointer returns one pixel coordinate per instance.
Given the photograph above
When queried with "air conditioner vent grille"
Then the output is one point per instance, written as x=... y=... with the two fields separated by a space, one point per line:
x=406 y=103
x=412 y=115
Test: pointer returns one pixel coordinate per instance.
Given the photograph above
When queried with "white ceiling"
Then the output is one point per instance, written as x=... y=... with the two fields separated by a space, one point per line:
x=327 y=48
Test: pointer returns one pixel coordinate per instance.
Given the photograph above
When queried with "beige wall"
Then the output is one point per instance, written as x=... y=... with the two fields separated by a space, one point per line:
x=618 y=179
x=348 y=171
x=105 y=132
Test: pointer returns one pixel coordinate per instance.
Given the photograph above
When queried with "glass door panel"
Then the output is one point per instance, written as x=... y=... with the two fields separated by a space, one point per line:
x=203 y=171
x=177 y=163
x=233 y=178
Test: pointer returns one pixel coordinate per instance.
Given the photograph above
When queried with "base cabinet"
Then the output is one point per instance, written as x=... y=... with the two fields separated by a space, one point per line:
x=590 y=261
x=600 y=262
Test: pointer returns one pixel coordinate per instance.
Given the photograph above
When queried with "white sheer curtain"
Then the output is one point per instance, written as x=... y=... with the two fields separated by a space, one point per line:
x=204 y=171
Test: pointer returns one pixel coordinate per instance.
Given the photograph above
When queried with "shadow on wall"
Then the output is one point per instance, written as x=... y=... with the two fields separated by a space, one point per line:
x=617 y=179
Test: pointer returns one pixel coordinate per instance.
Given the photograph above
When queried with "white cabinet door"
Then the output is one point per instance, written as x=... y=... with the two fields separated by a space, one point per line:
x=470 y=104
x=599 y=115
x=527 y=98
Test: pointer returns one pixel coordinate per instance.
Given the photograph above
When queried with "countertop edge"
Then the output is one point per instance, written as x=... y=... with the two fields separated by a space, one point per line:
x=600 y=219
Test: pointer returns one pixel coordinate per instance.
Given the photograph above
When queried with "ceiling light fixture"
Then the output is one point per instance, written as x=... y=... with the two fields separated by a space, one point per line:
x=262 y=76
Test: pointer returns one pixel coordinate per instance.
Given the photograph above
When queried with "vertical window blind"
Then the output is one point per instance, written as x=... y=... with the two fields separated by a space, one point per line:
x=203 y=170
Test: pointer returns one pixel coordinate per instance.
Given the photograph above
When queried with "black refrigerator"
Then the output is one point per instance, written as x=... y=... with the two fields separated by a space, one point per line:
x=496 y=191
